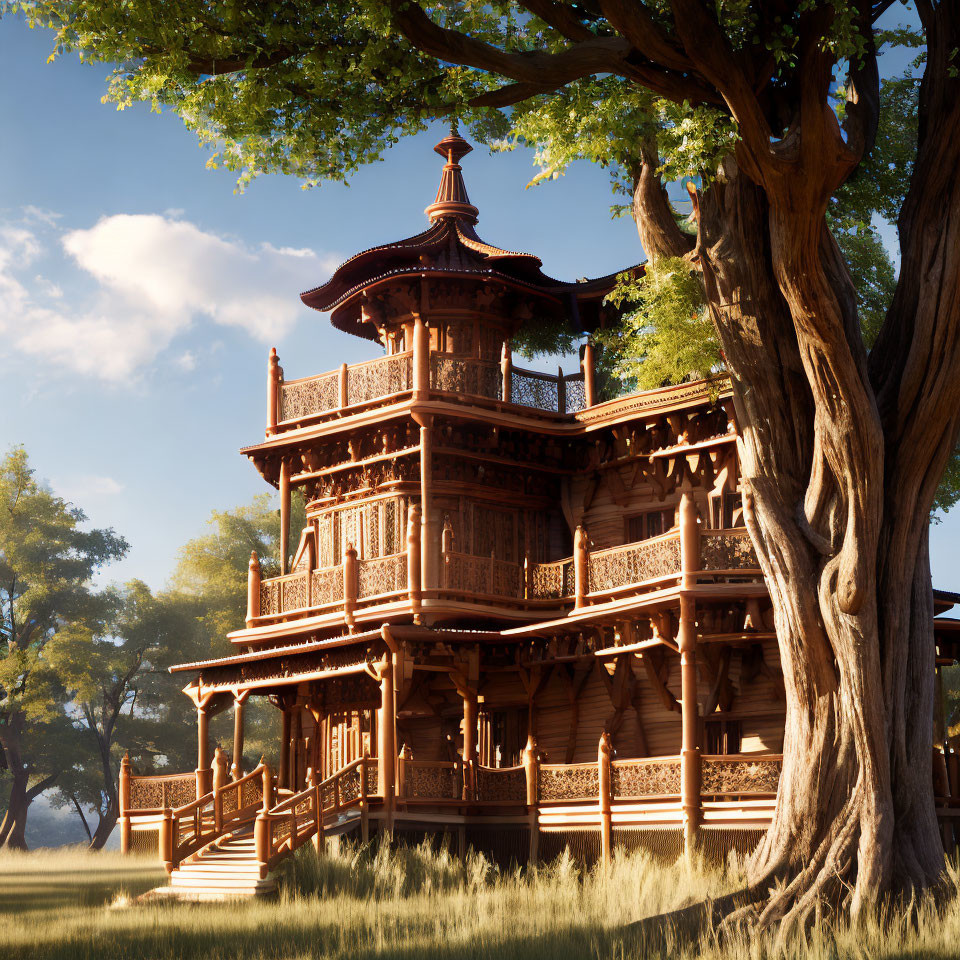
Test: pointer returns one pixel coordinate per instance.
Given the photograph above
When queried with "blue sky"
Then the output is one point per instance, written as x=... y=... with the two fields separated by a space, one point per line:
x=139 y=295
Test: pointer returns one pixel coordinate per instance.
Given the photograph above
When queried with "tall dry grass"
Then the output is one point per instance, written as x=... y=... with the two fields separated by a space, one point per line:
x=417 y=902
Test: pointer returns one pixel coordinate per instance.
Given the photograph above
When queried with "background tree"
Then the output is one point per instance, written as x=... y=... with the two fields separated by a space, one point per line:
x=47 y=561
x=841 y=454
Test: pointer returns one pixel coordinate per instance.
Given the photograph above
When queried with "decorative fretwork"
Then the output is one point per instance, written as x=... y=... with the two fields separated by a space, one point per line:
x=155 y=793
x=270 y=597
x=306 y=398
x=743 y=775
x=350 y=785
x=645 y=778
x=634 y=563
x=576 y=395
x=482 y=575
x=379 y=378
x=426 y=780
x=372 y=775
x=327 y=585
x=531 y=389
x=294 y=592
x=727 y=550
x=382 y=575
x=508 y=785
x=578 y=781
x=466 y=375
x=551 y=581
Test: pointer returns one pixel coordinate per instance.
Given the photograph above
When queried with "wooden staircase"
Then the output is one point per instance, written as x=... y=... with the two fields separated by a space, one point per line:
x=227 y=868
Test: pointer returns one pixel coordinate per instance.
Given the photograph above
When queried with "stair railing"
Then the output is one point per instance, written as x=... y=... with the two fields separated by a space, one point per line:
x=282 y=828
x=186 y=829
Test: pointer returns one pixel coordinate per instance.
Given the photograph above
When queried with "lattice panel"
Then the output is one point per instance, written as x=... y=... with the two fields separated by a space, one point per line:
x=495 y=533
x=635 y=563
x=465 y=375
x=294 y=592
x=741 y=776
x=509 y=785
x=432 y=782
x=483 y=575
x=373 y=782
x=325 y=549
x=149 y=793
x=379 y=378
x=251 y=792
x=551 y=581
x=569 y=782
x=382 y=575
x=650 y=778
x=350 y=785
x=576 y=394
x=306 y=398
x=727 y=551
x=269 y=598
x=534 y=390
x=327 y=585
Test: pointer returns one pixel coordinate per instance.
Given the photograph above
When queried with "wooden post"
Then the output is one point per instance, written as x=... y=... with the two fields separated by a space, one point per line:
x=166 y=839
x=311 y=563
x=283 y=775
x=589 y=374
x=253 y=588
x=531 y=767
x=430 y=534
x=387 y=740
x=414 y=582
x=446 y=548
x=506 y=371
x=239 y=703
x=421 y=359
x=203 y=772
x=581 y=567
x=274 y=379
x=124 y=791
x=604 y=776
x=219 y=781
x=284 y=515
x=406 y=755
x=349 y=584
x=342 y=389
x=261 y=827
x=469 y=743
x=689 y=541
x=561 y=392
x=364 y=803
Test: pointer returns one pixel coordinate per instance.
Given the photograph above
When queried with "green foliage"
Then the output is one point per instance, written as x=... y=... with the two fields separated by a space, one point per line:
x=668 y=337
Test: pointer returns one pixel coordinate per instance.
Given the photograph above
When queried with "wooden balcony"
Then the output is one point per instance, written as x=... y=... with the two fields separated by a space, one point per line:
x=392 y=379
x=632 y=569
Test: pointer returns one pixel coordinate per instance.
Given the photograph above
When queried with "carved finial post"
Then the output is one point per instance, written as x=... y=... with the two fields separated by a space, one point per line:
x=531 y=772
x=414 y=524
x=219 y=782
x=204 y=773
x=605 y=779
x=343 y=392
x=587 y=364
x=506 y=371
x=253 y=588
x=446 y=548
x=406 y=755
x=581 y=566
x=387 y=741
x=274 y=379
x=124 y=791
x=561 y=391
x=166 y=839
x=239 y=703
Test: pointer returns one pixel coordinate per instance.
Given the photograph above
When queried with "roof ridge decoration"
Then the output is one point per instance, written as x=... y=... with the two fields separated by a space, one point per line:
x=452 y=199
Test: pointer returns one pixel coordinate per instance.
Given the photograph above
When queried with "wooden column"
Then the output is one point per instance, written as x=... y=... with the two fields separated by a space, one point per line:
x=387 y=741
x=531 y=770
x=239 y=705
x=421 y=360
x=274 y=379
x=283 y=776
x=261 y=835
x=605 y=781
x=470 y=716
x=203 y=772
x=589 y=374
x=414 y=578
x=220 y=777
x=350 y=584
x=581 y=567
x=690 y=760
x=124 y=821
x=253 y=588
x=342 y=388
x=284 y=515
x=430 y=532
x=506 y=371
x=296 y=735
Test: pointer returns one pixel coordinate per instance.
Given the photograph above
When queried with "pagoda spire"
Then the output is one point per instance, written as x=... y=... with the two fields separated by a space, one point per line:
x=452 y=199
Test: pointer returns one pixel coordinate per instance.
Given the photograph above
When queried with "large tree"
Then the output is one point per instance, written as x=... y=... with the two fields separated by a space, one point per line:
x=842 y=451
x=47 y=561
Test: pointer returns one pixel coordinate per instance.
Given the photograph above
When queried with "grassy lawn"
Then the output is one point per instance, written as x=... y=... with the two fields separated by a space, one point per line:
x=409 y=903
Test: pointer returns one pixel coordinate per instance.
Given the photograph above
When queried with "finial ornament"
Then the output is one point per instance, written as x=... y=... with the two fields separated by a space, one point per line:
x=452 y=200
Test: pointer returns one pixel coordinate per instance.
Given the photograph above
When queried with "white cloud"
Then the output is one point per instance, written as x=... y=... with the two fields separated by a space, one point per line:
x=187 y=361
x=156 y=276
x=87 y=487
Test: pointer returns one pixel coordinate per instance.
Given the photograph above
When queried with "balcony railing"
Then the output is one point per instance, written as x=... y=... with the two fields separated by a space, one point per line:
x=292 y=402
x=611 y=572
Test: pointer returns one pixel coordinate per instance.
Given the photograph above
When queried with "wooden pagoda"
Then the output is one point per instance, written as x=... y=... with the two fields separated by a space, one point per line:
x=516 y=614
